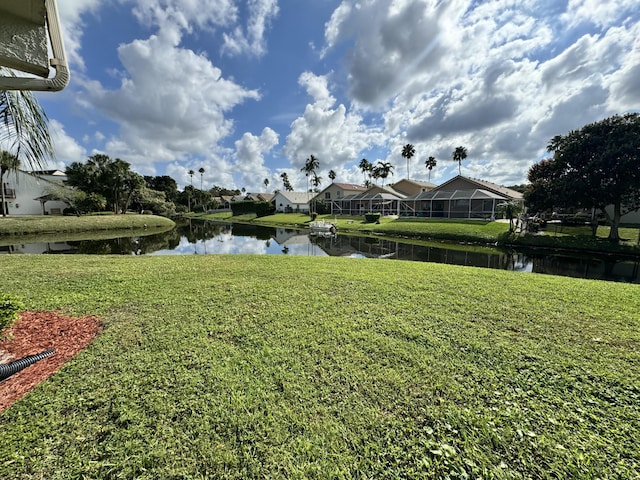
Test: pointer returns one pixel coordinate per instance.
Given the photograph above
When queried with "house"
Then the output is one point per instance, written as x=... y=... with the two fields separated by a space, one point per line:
x=26 y=193
x=629 y=217
x=382 y=199
x=290 y=202
x=460 y=197
x=335 y=193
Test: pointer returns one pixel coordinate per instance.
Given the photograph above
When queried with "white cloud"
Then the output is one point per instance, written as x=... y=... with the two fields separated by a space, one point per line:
x=597 y=12
x=72 y=26
x=186 y=14
x=391 y=42
x=331 y=133
x=249 y=164
x=172 y=103
x=66 y=148
x=252 y=39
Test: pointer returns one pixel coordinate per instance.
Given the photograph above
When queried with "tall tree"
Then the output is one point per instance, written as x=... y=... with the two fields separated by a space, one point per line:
x=8 y=163
x=332 y=175
x=459 y=154
x=430 y=163
x=595 y=167
x=201 y=171
x=113 y=179
x=24 y=126
x=316 y=180
x=163 y=183
x=191 y=174
x=510 y=210
x=367 y=168
x=309 y=168
x=382 y=170
x=408 y=151
x=285 y=182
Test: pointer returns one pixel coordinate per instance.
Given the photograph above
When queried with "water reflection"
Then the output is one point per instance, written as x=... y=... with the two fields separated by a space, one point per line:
x=205 y=238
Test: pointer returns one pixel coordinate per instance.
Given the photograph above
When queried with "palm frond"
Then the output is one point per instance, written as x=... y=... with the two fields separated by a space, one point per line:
x=24 y=127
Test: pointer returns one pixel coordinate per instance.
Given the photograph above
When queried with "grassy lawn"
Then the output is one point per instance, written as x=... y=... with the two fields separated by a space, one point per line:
x=43 y=224
x=304 y=367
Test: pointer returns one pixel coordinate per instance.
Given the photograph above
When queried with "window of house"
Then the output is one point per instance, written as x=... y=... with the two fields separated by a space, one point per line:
x=327 y=195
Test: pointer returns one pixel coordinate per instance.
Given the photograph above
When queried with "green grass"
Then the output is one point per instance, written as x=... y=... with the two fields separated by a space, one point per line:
x=304 y=367
x=43 y=224
x=581 y=239
x=473 y=231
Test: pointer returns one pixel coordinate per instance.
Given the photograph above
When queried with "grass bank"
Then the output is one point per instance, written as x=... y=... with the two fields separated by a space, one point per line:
x=470 y=231
x=49 y=224
x=304 y=367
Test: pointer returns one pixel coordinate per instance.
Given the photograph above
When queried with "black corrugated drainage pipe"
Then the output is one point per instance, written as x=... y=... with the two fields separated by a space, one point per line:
x=8 y=369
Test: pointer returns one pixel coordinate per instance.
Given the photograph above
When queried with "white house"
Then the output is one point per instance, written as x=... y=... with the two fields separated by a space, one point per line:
x=291 y=202
x=26 y=193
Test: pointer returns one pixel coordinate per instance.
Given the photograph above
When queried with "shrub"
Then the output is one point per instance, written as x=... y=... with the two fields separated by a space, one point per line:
x=9 y=307
x=372 y=217
x=261 y=209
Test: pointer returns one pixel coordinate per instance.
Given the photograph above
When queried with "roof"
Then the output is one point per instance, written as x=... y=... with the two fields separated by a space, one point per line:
x=266 y=197
x=373 y=195
x=485 y=185
x=296 y=197
x=416 y=182
x=56 y=173
x=476 y=194
x=386 y=189
x=350 y=186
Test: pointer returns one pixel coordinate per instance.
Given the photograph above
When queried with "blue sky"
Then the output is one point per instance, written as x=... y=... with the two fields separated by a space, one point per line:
x=249 y=89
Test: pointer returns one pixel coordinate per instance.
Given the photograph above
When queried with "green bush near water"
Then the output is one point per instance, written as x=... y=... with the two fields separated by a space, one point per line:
x=227 y=367
x=372 y=217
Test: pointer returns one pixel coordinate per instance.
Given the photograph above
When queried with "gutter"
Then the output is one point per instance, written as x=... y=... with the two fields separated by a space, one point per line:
x=58 y=62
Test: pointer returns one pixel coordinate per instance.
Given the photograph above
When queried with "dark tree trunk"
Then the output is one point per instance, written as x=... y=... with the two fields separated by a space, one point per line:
x=614 y=235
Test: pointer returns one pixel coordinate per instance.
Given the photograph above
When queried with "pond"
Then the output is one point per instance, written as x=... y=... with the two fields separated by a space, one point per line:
x=205 y=238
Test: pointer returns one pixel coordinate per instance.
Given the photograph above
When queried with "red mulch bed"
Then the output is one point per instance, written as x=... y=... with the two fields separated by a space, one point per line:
x=34 y=333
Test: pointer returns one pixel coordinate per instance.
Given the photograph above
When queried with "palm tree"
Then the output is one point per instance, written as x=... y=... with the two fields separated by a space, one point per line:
x=8 y=162
x=510 y=210
x=376 y=172
x=366 y=167
x=285 y=182
x=310 y=167
x=201 y=171
x=382 y=170
x=459 y=154
x=191 y=174
x=316 y=181
x=266 y=183
x=408 y=151
x=430 y=163
x=332 y=175
x=387 y=169
x=23 y=126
